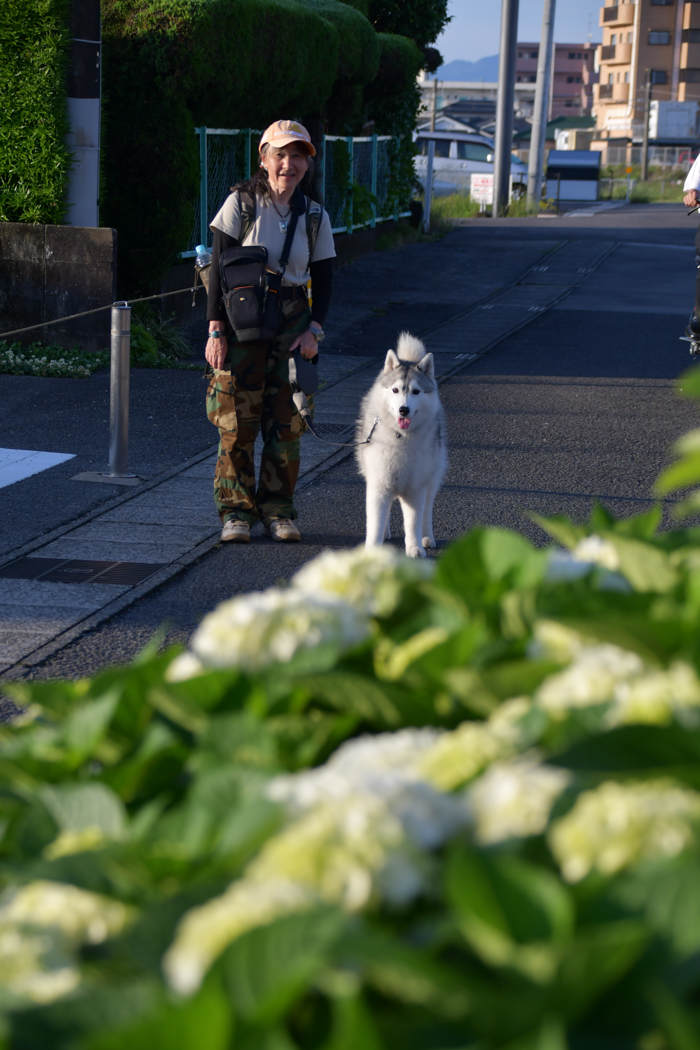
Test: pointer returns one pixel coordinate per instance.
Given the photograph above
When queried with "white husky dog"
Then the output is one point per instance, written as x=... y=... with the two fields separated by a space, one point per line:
x=406 y=457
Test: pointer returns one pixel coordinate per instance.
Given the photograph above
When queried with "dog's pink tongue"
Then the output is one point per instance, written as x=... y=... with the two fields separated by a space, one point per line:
x=403 y=422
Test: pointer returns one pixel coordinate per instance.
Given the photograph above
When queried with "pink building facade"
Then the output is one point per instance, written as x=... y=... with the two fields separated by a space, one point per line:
x=571 y=93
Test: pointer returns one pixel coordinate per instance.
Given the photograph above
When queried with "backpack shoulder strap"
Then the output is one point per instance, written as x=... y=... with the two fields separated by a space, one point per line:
x=314 y=214
x=247 y=214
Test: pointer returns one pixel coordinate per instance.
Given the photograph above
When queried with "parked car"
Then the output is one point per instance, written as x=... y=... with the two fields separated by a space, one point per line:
x=459 y=155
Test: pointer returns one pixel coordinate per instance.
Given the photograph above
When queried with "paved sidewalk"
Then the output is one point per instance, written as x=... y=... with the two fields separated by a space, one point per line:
x=152 y=533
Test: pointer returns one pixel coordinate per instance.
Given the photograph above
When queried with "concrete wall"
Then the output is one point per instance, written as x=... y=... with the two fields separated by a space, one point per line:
x=48 y=272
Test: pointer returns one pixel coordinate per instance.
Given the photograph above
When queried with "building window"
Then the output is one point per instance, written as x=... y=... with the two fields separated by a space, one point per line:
x=578 y=54
x=611 y=78
x=629 y=38
x=658 y=76
x=690 y=76
x=691 y=36
x=627 y=77
x=569 y=80
x=533 y=54
x=659 y=36
x=572 y=54
x=578 y=80
x=613 y=38
x=518 y=79
x=661 y=3
x=520 y=54
x=532 y=80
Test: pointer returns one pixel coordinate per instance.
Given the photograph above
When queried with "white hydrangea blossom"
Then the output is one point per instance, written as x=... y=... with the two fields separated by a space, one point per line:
x=553 y=641
x=591 y=679
x=255 y=630
x=40 y=924
x=204 y=932
x=184 y=667
x=81 y=916
x=616 y=824
x=30 y=970
x=360 y=828
x=458 y=756
x=369 y=579
x=602 y=674
x=513 y=799
x=597 y=551
x=657 y=697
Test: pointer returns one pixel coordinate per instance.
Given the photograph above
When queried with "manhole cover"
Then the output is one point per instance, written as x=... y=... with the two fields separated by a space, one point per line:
x=62 y=570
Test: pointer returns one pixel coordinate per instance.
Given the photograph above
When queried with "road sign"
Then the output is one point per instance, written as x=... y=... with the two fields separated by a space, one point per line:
x=628 y=171
x=482 y=189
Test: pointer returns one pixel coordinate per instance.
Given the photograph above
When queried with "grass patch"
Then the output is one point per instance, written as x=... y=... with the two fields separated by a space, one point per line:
x=453 y=206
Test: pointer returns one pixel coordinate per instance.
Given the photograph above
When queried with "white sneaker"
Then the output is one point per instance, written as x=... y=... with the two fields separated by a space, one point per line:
x=235 y=531
x=284 y=531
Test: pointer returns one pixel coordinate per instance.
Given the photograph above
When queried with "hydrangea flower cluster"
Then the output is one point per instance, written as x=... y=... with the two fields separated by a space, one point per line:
x=616 y=824
x=627 y=689
x=331 y=600
x=41 y=925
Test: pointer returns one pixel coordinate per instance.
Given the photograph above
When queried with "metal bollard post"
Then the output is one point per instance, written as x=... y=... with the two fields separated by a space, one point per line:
x=119 y=391
x=428 y=186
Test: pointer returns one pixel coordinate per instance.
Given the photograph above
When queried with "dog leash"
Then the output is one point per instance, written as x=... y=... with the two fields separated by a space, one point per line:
x=303 y=407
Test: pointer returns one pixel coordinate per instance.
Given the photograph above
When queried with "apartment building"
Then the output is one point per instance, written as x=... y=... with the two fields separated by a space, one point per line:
x=658 y=38
x=573 y=77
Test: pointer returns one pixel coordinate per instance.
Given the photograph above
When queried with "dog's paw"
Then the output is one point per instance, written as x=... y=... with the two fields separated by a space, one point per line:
x=429 y=543
x=416 y=552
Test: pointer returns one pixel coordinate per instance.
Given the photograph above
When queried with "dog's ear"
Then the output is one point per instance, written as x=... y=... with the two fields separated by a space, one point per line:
x=427 y=365
x=391 y=361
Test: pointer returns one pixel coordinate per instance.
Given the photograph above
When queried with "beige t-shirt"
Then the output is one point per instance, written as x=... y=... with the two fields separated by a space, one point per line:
x=266 y=231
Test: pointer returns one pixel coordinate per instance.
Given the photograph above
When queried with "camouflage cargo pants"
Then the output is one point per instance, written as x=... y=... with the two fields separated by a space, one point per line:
x=253 y=393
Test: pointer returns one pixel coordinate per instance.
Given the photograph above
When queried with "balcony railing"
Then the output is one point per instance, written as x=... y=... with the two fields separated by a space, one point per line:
x=605 y=90
x=622 y=14
x=621 y=54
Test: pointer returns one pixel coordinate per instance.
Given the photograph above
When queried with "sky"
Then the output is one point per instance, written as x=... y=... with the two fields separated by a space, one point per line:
x=475 y=28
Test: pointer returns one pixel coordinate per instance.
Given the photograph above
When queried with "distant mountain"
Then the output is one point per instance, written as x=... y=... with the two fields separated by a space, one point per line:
x=484 y=69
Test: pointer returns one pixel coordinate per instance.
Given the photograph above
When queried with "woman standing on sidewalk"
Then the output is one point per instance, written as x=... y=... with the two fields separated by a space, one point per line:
x=250 y=386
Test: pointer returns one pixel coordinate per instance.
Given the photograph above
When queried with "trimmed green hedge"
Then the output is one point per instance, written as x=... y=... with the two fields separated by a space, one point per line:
x=33 y=157
x=173 y=64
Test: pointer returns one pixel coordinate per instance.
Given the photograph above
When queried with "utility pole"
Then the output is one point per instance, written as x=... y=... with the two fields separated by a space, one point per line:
x=538 y=135
x=434 y=109
x=645 y=132
x=504 y=106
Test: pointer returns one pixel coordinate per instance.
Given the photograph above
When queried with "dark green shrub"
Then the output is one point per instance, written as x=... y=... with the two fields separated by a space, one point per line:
x=33 y=156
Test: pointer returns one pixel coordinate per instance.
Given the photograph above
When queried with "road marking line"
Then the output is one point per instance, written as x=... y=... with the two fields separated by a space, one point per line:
x=16 y=464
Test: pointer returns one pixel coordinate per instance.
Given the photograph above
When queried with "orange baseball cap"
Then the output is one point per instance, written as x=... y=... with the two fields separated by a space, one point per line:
x=282 y=132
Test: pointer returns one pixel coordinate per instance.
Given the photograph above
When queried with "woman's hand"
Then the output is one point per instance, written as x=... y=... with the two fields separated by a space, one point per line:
x=691 y=199
x=308 y=344
x=216 y=349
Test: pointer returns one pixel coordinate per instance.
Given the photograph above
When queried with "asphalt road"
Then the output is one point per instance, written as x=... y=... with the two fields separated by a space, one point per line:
x=577 y=406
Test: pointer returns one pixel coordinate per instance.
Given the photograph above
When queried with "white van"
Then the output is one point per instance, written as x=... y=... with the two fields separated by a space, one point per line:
x=459 y=155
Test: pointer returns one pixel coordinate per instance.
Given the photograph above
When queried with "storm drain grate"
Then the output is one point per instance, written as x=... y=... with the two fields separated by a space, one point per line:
x=62 y=570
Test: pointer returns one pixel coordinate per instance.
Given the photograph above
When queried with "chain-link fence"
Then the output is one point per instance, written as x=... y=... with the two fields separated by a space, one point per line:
x=659 y=156
x=355 y=178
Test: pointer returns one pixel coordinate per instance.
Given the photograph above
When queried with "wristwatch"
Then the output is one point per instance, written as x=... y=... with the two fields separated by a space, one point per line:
x=217 y=335
x=318 y=334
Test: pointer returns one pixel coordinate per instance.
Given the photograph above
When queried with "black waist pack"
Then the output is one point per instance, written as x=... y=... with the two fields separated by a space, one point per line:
x=252 y=294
